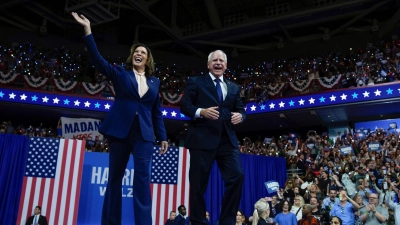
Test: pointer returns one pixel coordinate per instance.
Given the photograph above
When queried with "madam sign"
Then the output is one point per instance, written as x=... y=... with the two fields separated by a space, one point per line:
x=80 y=128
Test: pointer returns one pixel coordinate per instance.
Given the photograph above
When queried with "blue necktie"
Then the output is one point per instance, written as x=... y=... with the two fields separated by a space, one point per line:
x=219 y=90
x=35 y=222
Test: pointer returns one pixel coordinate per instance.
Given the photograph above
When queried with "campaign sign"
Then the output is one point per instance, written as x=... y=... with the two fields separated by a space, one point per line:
x=81 y=128
x=374 y=146
x=263 y=98
x=360 y=135
x=345 y=150
x=267 y=140
x=272 y=186
x=291 y=137
x=93 y=188
x=311 y=145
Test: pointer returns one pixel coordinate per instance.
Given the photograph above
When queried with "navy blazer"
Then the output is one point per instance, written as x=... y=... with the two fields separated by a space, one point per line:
x=201 y=93
x=119 y=120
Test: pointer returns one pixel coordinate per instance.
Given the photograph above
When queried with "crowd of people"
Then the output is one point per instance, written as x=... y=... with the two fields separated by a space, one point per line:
x=377 y=63
x=359 y=187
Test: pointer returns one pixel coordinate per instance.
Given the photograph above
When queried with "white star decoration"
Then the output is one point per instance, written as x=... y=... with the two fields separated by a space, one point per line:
x=23 y=97
x=333 y=98
x=281 y=104
x=344 y=97
x=301 y=102
x=76 y=103
x=164 y=113
x=272 y=105
x=311 y=100
x=253 y=108
x=377 y=92
x=87 y=104
x=366 y=94
x=56 y=100
x=45 y=99
x=107 y=106
x=173 y=114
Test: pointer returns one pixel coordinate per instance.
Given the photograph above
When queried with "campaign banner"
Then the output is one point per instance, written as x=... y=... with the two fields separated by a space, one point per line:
x=267 y=140
x=292 y=137
x=262 y=98
x=345 y=150
x=171 y=181
x=272 y=186
x=360 y=135
x=374 y=146
x=311 y=145
x=389 y=126
x=80 y=128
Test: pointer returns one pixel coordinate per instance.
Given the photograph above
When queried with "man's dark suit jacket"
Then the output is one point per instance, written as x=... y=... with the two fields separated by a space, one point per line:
x=42 y=220
x=201 y=93
x=180 y=220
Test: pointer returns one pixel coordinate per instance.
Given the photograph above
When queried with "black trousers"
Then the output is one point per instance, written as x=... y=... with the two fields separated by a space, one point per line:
x=229 y=163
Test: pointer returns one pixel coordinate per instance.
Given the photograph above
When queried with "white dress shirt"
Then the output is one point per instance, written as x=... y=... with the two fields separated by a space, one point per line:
x=224 y=88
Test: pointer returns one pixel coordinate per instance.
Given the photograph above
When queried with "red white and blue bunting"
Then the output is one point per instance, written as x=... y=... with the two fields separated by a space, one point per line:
x=93 y=89
x=300 y=85
x=35 y=82
x=275 y=89
x=65 y=86
x=172 y=99
x=8 y=77
x=330 y=82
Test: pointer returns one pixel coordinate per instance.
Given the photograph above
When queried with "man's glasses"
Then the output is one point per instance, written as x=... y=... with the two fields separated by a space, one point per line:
x=373 y=198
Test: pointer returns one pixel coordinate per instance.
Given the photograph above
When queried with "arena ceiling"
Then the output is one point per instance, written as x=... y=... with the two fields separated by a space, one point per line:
x=196 y=27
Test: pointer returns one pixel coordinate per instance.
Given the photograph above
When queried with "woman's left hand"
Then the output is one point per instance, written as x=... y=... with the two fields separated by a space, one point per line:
x=164 y=147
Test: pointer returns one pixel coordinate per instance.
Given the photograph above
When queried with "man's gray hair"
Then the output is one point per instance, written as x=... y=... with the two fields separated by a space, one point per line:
x=209 y=55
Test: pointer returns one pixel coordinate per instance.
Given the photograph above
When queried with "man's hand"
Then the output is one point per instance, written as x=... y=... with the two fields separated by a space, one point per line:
x=236 y=117
x=164 y=147
x=210 y=113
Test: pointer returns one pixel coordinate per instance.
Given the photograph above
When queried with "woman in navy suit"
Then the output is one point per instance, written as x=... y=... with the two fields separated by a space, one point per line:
x=131 y=126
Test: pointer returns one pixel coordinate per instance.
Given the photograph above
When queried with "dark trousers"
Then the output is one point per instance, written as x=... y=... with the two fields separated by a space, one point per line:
x=120 y=150
x=229 y=163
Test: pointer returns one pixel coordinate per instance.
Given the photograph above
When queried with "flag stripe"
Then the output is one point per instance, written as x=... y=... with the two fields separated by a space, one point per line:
x=78 y=179
x=23 y=207
x=155 y=204
x=59 y=183
x=186 y=178
x=68 y=180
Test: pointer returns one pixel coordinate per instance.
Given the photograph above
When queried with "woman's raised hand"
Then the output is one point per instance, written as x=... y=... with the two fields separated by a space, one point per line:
x=82 y=20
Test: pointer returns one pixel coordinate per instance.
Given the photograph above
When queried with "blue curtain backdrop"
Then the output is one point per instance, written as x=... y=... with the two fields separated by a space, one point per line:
x=257 y=170
x=13 y=153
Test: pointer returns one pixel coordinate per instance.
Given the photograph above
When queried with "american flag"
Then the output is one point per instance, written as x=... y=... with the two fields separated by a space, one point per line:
x=169 y=182
x=52 y=180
